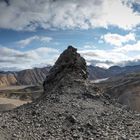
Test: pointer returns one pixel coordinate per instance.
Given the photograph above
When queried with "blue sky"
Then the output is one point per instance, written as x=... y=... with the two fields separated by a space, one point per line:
x=33 y=33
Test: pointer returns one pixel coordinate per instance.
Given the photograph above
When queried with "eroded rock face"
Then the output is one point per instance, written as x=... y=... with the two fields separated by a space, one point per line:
x=69 y=66
x=7 y=80
x=34 y=76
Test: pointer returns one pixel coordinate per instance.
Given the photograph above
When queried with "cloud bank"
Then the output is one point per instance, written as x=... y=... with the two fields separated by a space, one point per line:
x=29 y=15
x=118 y=40
x=127 y=54
x=64 y=14
x=11 y=59
x=25 y=42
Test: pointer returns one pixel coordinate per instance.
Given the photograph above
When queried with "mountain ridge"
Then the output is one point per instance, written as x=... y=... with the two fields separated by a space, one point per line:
x=36 y=76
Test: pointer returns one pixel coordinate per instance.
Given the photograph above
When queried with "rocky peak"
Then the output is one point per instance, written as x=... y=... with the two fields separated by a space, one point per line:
x=69 y=66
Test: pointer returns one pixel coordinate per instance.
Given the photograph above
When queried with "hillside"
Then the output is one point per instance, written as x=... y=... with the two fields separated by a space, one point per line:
x=8 y=79
x=34 y=76
x=126 y=89
x=71 y=108
x=99 y=73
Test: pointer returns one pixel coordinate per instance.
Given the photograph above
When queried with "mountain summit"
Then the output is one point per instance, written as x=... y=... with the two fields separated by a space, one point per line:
x=69 y=66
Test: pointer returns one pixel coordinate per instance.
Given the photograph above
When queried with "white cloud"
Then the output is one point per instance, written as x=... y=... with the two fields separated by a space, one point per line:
x=15 y=59
x=28 y=15
x=11 y=53
x=87 y=46
x=128 y=54
x=103 y=55
x=119 y=14
x=10 y=58
x=118 y=40
x=129 y=48
x=103 y=58
x=27 y=41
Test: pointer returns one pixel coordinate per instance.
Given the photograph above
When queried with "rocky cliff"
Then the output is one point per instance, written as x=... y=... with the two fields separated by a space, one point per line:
x=71 y=108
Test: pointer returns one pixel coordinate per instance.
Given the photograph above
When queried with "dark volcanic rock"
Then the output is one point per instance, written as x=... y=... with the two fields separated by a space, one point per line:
x=69 y=66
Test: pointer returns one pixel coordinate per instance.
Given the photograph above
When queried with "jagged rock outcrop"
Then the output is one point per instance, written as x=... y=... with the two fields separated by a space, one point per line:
x=69 y=66
x=72 y=108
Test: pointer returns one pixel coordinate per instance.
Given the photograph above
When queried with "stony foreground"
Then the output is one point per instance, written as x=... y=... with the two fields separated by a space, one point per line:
x=71 y=108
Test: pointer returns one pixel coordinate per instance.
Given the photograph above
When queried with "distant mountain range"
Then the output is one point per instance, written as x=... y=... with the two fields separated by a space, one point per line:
x=99 y=73
x=36 y=76
x=25 y=77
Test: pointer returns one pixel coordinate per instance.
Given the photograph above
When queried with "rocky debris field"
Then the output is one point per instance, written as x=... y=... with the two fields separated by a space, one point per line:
x=71 y=108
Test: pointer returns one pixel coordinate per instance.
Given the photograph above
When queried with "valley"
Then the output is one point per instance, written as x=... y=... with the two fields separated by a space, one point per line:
x=122 y=85
x=124 y=88
x=14 y=96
